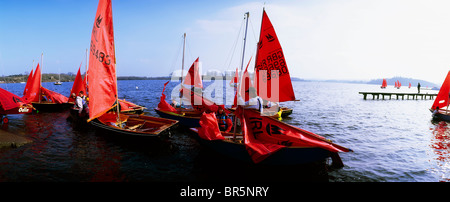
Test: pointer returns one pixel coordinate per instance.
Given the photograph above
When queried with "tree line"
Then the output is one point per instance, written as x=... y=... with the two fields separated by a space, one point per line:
x=68 y=77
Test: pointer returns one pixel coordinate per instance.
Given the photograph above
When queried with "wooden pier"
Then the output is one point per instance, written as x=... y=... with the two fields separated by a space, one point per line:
x=414 y=96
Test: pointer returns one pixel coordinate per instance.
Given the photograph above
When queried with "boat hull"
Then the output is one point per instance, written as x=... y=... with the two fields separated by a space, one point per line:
x=51 y=107
x=139 y=110
x=286 y=112
x=166 y=125
x=188 y=121
x=442 y=117
x=285 y=156
x=17 y=110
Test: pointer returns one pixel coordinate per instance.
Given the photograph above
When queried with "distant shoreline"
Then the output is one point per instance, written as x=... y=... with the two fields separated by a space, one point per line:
x=69 y=77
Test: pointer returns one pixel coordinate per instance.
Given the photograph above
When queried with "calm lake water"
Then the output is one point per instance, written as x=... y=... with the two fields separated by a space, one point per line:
x=393 y=141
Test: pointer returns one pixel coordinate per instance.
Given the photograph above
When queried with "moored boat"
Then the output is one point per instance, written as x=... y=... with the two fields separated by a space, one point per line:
x=130 y=108
x=103 y=102
x=188 y=118
x=12 y=104
x=134 y=125
x=238 y=151
x=43 y=99
x=264 y=140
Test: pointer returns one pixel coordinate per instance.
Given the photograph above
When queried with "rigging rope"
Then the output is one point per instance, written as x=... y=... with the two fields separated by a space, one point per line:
x=233 y=49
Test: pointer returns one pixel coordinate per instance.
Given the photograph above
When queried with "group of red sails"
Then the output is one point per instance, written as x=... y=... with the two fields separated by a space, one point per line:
x=261 y=138
x=397 y=84
x=35 y=97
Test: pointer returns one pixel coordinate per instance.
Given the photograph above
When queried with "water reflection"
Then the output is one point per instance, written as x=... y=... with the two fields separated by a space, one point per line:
x=440 y=143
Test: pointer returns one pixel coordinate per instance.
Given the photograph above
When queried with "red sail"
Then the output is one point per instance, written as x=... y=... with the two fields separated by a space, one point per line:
x=27 y=86
x=244 y=87
x=264 y=136
x=441 y=100
x=246 y=83
x=235 y=79
x=209 y=128
x=102 y=65
x=269 y=57
x=9 y=101
x=54 y=97
x=193 y=77
x=163 y=105
x=199 y=102
x=384 y=84
x=33 y=92
x=78 y=85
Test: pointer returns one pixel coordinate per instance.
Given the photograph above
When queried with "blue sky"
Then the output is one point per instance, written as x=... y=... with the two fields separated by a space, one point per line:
x=321 y=39
x=147 y=33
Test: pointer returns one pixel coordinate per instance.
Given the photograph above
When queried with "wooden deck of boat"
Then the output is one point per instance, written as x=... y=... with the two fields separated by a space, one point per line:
x=383 y=95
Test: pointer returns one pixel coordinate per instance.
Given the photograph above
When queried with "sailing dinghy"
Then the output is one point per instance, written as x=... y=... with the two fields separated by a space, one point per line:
x=80 y=85
x=186 y=117
x=103 y=96
x=265 y=140
x=271 y=143
x=42 y=98
x=384 y=84
x=440 y=105
x=12 y=104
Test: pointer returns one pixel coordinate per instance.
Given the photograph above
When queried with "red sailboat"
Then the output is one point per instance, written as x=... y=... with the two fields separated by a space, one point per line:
x=186 y=117
x=267 y=140
x=79 y=85
x=191 y=90
x=440 y=105
x=397 y=84
x=384 y=84
x=272 y=142
x=102 y=88
x=41 y=98
x=234 y=80
x=12 y=104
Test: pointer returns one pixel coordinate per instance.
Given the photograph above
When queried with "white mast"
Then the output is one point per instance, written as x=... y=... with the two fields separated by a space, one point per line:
x=182 y=65
x=247 y=15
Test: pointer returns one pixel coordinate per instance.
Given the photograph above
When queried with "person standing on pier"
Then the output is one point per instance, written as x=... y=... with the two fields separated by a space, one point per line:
x=418 y=87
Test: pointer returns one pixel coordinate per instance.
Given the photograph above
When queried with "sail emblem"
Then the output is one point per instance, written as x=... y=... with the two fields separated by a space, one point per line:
x=270 y=38
x=98 y=21
x=16 y=100
x=260 y=44
x=274 y=129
